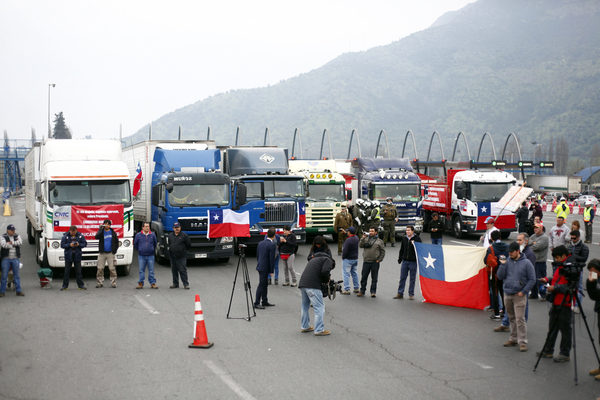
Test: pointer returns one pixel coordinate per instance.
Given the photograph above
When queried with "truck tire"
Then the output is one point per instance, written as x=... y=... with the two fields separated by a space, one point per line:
x=123 y=270
x=159 y=257
x=30 y=233
x=456 y=227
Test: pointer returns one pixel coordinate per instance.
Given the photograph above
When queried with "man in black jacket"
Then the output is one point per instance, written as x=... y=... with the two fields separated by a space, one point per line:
x=593 y=289
x=179 y=243
x=579 y=253
x=436 y=228
x=522 y=217
x=408 y=263
x=316 y=272
x=73 y=241
x=108 y=244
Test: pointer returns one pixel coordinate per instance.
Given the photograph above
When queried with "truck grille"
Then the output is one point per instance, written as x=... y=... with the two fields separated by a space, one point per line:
x=322 y=217
x=406 y=212
x=284 y=211
x=194 y=224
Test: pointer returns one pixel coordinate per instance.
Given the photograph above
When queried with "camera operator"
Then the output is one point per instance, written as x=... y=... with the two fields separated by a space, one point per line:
x=560 y=312
x=593 y=290
x=580 y=253
x=316 y=272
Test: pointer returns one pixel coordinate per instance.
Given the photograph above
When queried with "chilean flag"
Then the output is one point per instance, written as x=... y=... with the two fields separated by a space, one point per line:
x=301 y=214
x=453 y=275
x=137 y=182
x=505 y=218
x=228 y=223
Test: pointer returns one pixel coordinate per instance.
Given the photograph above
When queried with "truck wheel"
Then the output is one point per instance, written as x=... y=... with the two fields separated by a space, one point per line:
x=159 y=257
x=456 y=227
x=504 y=235
x=123 y=270
x=30 y=233
x=44 y=263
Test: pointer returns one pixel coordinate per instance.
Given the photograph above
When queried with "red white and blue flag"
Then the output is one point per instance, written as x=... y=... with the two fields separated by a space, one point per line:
x=224 y=222
x=301 y=214
x=505 y=219
x=453 y=275
x=137 y=182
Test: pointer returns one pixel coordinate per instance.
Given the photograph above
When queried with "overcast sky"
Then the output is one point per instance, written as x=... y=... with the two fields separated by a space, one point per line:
x=131 y=61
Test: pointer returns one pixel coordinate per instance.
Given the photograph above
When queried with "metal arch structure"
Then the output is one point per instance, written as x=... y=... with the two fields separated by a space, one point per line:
x=412 y=136
x=296 y=133
x=436 y=134
x=357 y=142
x=265 y=139
x=387 y=143
x=11 y=156
x=328 y=142
x=456 y=143
x=489 y=135
x=208 y=133
x=512 y=134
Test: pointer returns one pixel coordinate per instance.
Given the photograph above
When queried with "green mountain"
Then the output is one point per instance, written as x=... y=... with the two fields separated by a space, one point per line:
x=530 y=67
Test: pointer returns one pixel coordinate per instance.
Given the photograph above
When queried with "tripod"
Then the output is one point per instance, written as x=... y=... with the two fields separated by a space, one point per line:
x=247 y=288
x=572 y=293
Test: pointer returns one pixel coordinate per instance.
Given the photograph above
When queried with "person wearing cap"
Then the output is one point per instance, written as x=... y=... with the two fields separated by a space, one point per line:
x=487 y=236
x=350 y=261
x=588 y=220
x=72 y=242
x=539 y=243
x=343 y=221
x=179 y=244
x=518 y=278
x=287 y=253
x=390 y=216
x=10 y=251
x=108 y=244
x=562 y=209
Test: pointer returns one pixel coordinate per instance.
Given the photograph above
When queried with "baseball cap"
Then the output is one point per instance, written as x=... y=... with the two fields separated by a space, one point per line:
x=489 y=220
x=514 y=246
x=176 y=225
x=352 y=230
x=10 y=227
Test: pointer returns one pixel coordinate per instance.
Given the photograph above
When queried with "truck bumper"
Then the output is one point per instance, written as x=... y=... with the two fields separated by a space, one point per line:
x=89 y=259
x=257 y=237
x=319 y=230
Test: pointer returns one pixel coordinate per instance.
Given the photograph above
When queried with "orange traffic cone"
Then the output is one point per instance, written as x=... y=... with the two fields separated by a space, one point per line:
x=200 y=338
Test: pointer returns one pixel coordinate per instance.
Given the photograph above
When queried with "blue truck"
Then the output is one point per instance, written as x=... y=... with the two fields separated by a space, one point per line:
x=180 y=181
x=273 y=197
x=380 y=178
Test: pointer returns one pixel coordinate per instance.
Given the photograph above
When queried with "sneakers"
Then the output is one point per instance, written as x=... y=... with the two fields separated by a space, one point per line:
x=153 y=286
x=99 y=285
x=509 y=343
x=82 y=288
x=286 y=284
x=347 y=292
x=501 y=328
x=398 y=296
x=595 y=372
x=356 y=291
x=495 y=317
x=561 y=358
x=323 y=333
x=544 y=354
x=277 y=281
x=359 y=294
x=20 y=294
x=373 y=295
x=187 y=287
x=140 y=285
x=62 y=289
x=294 y=284
x=411 y=297
x=113 y=285
x=522 y=347
x=309 y=329
x=174 y=287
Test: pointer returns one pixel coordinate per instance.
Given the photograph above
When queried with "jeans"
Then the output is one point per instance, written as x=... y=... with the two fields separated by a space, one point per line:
x=373 y=269
x=261 y=289
x=78 y=275
x=146 y=262
x=540 y=272
x=560 y=320
x=276 y=270
x=515 y=307
x=314 y=297
x=179 y=268
x=405 y=268
x=7 y=264
x=436 y=241
x=506 y=322
x=348 y=269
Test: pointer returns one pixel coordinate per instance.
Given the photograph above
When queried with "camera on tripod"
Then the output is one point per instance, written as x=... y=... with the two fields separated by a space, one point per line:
x=571 y=272
x=330 y=288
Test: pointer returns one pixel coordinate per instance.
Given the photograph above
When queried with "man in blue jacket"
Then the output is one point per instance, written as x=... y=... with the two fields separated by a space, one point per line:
x=145 y=243
x=265 y=256
x=73 y=241
x=518 y=278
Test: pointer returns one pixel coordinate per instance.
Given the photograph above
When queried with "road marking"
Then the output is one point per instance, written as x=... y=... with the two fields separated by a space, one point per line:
x=464 y=243
x=228 y=380
x=147 y=305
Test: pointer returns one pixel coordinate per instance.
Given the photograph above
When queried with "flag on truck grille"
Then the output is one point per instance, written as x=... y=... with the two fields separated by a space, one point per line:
x=301 y=214
x=505 y=219
x=453 y=275
x=228 y=223
x=137 y=182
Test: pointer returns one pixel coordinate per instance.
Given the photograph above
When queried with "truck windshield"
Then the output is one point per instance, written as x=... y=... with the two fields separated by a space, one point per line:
x=199 y=195
x=284 y=188
x=89 y=192
x=398 y=192
x=330 y=192
x=487 y=191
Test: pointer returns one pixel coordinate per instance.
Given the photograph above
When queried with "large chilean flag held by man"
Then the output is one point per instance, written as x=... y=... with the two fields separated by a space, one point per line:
x=453 y=275
x=504 y=218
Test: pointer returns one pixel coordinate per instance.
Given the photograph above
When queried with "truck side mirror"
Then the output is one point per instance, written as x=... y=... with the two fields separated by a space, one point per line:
x=38 y=191
x=155 y=195
x=349 y=194
x=169 y=187
x=240 y=194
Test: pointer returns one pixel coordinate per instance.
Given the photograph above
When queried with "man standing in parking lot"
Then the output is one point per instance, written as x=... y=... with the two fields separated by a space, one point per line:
x=559 y=234
x=72 y=242
x=265 y=258
x=108 y=244
x=179 y=243
x=145 y=243
x=10 y=254
x=522 y=217
x=539 y=244
x=562 y=209
x=588 y=220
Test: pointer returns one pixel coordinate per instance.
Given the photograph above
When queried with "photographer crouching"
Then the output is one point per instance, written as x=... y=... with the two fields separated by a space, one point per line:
x=560 y=292
x=593 y=290
x=316 y=273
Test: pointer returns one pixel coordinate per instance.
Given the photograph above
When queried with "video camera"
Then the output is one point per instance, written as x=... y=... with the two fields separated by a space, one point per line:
x=330 y=288
x=571 y=272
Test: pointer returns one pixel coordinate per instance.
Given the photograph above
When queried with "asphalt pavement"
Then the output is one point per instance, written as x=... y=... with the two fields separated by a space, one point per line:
x=125 y=343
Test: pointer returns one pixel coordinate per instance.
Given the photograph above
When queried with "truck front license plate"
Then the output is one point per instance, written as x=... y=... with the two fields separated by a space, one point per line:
x=89 y=263
x=322 y=229
x=202 y=255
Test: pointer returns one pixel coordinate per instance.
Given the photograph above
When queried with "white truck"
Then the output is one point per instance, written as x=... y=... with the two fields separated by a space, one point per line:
x=325 y=193
x=554 y=183
x=81 y=183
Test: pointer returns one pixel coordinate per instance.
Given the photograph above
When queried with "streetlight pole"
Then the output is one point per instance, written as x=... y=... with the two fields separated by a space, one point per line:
x=50 y=85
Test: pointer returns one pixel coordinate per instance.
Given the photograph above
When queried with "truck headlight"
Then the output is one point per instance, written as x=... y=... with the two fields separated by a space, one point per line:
x=226 y=239
x=126 y=243
x=55 y=245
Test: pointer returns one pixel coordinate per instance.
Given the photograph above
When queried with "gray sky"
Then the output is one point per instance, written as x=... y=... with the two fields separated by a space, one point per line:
x=131 y=61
